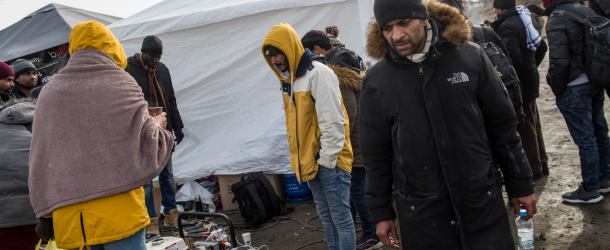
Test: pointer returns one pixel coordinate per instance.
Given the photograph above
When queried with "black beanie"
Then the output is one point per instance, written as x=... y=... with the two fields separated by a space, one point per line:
x=389 y=10
x=505 y=4
x=152 y=44
x=271 y=50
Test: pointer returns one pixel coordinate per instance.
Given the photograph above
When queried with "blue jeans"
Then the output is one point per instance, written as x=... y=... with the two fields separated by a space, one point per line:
x=582 y=107
x=330 y=191
x=135 y=242
x=168 y=191
x=357 y=202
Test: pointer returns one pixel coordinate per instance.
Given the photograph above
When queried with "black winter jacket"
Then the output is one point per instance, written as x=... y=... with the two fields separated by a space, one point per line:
x=567 y=45
x=428 y=134
x=135 y=69
x=512 y=31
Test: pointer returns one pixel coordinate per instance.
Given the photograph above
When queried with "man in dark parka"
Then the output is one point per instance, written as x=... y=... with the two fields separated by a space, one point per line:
x=156 y=83
x=433 y=118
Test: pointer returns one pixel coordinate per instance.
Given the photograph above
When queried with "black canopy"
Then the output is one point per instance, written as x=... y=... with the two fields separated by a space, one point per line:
x=42 y=37
x=46 y=28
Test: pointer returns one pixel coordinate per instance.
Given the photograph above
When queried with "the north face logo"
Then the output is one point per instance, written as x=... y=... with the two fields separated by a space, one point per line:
x=458 y=78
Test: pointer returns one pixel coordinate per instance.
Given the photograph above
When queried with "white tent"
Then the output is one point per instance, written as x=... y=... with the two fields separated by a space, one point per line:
x=228 y=97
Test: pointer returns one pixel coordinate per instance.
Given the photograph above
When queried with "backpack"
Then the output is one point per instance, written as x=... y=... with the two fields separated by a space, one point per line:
x=504 y=69
x=597 y=45
x=256 y=199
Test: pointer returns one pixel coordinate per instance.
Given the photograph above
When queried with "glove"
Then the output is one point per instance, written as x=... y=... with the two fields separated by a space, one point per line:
x=179 y=135
x=44 y=229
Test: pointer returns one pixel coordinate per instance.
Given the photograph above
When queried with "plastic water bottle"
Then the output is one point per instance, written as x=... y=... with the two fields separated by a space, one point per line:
x=525 y=231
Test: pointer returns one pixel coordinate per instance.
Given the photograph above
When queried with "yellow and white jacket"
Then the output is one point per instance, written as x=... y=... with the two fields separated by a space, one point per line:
x=316 y=120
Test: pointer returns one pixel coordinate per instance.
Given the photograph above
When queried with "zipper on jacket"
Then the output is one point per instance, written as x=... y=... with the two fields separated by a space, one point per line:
x=421 y=69
x=82 y=227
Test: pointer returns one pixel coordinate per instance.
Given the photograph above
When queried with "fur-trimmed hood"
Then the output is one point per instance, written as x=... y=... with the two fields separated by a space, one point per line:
x=347 y=77
x=455 y=29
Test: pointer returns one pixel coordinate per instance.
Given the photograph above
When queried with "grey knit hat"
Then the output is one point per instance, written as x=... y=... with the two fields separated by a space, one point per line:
x=388 y=10
x=21 y=66
x=505 y=4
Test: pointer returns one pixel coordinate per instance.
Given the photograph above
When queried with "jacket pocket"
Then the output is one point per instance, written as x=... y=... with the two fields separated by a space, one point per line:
x=484 y=215
x=428 y=223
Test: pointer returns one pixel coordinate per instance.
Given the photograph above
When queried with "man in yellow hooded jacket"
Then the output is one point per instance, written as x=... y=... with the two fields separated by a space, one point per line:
x=94 y=146
x=317 y=128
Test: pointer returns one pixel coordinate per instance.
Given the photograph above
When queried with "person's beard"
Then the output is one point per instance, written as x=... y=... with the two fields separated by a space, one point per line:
x=408 y=50
x=152 y=66
x=8 y=90
x=28 y=85
x=282 y=64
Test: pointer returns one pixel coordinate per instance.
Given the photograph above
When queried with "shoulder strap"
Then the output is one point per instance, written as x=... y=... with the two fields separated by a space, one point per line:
x=272 y=195
x=257 y=200
x=478 y=32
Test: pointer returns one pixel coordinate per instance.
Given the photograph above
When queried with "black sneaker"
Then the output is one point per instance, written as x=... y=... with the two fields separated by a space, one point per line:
x=604 y=185
x=582 y=196
x=367 y=242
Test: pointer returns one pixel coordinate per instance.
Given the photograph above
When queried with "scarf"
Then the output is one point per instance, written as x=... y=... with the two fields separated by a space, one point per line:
x=99 y=142
x=151 y=86
x=420 y=57
x=533 y=37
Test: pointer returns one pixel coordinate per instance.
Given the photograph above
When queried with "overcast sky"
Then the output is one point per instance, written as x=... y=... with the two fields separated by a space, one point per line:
x=15 y=10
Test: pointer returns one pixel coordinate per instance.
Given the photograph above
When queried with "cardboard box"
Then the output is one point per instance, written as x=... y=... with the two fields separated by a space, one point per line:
x=226 y=181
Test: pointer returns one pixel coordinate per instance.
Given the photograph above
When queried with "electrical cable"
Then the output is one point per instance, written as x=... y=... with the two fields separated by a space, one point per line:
x=304 y=246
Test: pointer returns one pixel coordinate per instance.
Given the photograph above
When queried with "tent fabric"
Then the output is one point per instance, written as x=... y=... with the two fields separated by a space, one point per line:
x=229 y=99
x=46 y=28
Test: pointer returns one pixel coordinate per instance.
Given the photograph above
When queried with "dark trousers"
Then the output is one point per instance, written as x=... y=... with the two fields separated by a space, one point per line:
x=531 y=138
x=357 y=202
x=168 y=191
x=582 y=106
x=18 y=238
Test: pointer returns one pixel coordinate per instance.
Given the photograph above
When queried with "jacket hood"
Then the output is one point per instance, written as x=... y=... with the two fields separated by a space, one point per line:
x=18 y=111
x=456 y=29
x=285 y=38
x=94 y=35
x=348 y=77
x=551 y=7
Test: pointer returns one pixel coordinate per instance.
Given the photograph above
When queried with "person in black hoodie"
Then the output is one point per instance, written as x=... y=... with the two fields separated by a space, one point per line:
x=513 y=33
x=156 y=83
x=580 y=103
x=433 y=114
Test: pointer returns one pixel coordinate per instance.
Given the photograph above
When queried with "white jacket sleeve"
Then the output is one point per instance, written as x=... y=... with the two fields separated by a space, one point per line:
x=327 y=95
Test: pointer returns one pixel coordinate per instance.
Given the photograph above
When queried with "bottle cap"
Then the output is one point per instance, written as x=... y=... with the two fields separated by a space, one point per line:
x=522 y=212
